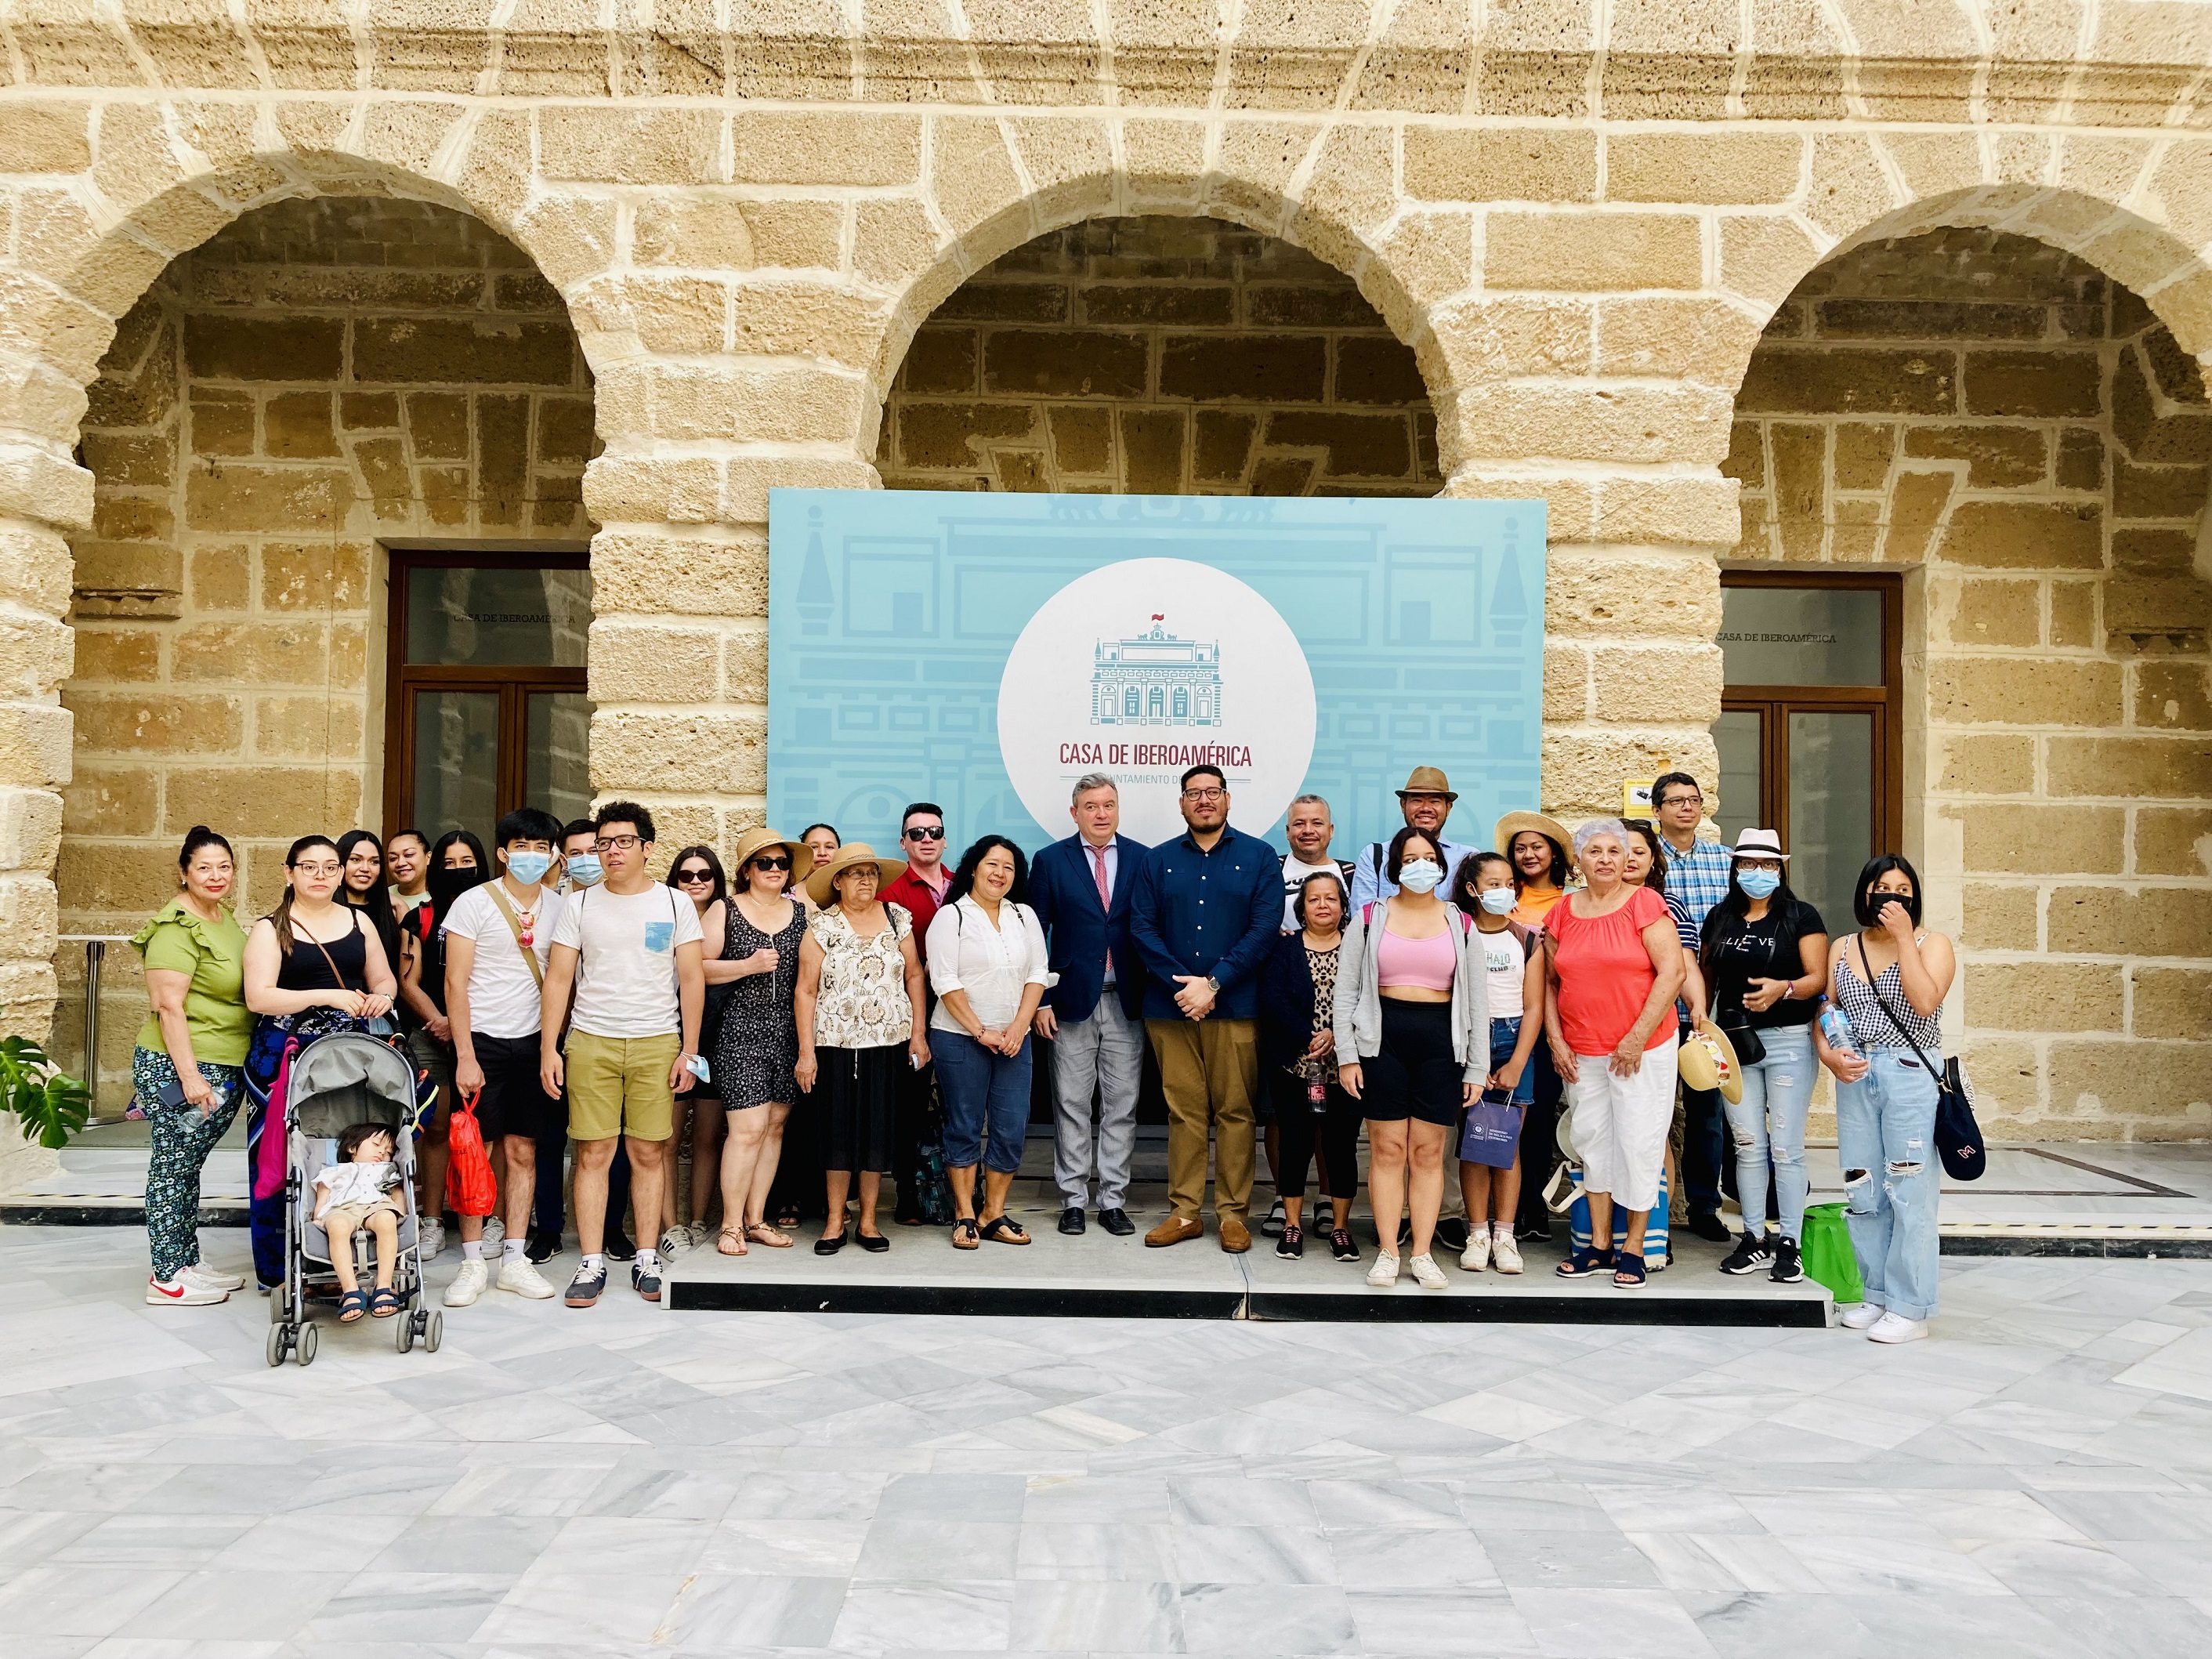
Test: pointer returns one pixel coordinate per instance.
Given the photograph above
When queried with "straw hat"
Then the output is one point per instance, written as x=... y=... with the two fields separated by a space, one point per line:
x=1514 y=823
x=1427 y=780
x=819 y=879
x=754 y=842
x=1759 y=844
x=1707 y=1061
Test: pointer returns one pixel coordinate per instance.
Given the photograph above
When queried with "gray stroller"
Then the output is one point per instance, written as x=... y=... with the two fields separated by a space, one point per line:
x=337 y=1080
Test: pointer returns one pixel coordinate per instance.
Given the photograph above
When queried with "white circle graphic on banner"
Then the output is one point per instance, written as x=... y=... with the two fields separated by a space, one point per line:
x=1142 y=669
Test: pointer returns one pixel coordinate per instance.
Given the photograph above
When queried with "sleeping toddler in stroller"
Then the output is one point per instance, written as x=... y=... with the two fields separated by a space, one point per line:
x=354 y=1192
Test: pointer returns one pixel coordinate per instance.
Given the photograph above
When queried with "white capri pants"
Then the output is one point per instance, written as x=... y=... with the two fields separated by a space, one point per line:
x=1620 y=1124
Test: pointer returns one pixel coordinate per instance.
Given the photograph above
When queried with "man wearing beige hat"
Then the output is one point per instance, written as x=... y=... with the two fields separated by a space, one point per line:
x=1426 y=801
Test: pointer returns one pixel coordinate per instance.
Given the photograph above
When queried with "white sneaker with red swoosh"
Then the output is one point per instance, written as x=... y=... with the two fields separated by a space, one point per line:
x=181 y=1292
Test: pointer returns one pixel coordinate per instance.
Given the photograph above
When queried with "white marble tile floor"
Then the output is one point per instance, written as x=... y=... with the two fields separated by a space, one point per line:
x=2035 y=1480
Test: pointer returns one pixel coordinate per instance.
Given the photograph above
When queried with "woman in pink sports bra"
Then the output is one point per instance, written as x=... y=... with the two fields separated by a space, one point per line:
x=1412 y=1041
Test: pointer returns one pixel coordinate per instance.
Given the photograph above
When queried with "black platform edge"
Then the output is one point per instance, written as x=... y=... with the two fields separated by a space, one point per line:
x=1003 y=1301
x=1628 y=1308
x=2085 y=1249
x=104 y=1215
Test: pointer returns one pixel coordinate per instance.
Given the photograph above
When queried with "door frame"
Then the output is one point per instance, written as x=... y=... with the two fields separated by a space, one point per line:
x=514 y=684
x=1774 y=703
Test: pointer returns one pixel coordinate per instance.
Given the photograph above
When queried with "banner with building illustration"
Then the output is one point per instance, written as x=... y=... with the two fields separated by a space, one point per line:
x=984 y=651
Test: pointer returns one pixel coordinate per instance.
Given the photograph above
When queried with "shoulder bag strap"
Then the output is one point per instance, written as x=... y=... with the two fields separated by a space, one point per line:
x=1890 y=1014
x=335 y=974
x=515 y=926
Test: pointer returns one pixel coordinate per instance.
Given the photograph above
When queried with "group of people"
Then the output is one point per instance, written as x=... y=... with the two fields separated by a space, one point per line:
x=835 y=1004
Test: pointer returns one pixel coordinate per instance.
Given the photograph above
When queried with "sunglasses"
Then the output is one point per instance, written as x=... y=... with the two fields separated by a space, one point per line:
x=687 y=877
x=778 y=863
x=927 y=833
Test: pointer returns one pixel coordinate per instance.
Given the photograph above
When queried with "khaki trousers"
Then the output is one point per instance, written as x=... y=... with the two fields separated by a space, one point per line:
x=1208 y=1071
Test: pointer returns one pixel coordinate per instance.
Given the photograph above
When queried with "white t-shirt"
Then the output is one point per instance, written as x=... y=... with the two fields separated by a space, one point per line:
x=354 y=1183
x=626 y=980
x=1295 y=876
x=1507 y=958
x=503 y=996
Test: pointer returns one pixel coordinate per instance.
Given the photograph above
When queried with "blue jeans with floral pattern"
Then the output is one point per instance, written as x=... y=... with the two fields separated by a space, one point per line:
x=183 y=1138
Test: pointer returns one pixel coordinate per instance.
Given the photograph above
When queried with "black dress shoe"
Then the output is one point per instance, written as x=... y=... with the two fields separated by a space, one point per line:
x=1071 y=1220
x=619 y=1247
x=873 y=1243
x=1705 y=1224
x=829 y=1244
x=1452 y=1232
x=543 y=1244
x=1116 y=1222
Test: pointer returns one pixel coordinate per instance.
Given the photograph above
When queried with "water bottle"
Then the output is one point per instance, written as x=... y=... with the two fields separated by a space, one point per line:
x=1836 y=1027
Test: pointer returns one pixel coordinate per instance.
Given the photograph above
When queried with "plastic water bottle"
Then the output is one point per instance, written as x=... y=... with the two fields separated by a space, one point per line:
x=1835 y=1026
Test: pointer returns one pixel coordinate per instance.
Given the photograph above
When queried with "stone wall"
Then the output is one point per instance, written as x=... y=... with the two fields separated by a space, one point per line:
x=1159 y=356
x=2001 y=414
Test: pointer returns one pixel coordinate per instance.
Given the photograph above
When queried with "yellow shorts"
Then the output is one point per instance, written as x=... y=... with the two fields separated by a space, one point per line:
x=619 y=1085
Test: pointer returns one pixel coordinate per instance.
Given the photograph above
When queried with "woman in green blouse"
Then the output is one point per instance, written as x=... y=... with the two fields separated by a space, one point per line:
x=189 y=1066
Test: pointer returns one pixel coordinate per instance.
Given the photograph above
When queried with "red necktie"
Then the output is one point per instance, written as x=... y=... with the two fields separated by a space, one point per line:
x=1105 y=893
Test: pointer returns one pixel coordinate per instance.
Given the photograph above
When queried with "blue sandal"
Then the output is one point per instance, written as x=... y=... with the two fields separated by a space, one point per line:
x=384 y=1304
x=1585 y=1263
x=352 y=1305
x=1628 y=1275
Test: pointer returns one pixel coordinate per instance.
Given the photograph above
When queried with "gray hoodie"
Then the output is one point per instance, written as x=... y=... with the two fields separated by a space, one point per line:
x=1358 y=1016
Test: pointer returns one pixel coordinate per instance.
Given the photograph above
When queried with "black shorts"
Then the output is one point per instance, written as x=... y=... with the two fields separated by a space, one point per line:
x=1414 y=1075
x=515 y=1102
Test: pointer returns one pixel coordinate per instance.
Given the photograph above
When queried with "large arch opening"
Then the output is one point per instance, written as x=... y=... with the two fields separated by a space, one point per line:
x=336 y=573
x=2014 y=443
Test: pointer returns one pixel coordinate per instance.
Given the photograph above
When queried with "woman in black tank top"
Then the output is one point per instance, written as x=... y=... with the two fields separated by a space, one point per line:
x=311 y=952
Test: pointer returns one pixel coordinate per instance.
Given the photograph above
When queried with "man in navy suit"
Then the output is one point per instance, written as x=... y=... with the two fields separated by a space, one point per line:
x=1079 y=889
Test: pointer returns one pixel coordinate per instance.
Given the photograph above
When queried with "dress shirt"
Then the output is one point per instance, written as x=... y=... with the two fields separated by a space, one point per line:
x=919 y=899
x=1215 y=913
x=1113 y=851
x=1699 y=878
x=992 y=964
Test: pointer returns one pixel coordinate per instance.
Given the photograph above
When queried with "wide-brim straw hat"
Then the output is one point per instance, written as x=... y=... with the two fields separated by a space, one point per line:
x=754 y=842
x=819 y=880
x=1759 y=844
x=1427 y=780
x=1707 y=1061
x=1543 y=824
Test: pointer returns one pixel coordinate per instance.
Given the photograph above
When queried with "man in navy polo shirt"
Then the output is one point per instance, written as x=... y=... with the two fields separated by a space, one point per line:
x=1204 y=915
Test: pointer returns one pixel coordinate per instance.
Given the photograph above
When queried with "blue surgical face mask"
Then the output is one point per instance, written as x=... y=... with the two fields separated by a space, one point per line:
x=1499 y=901
x=585 y=869
x=529 y=868
x=1421 y=876
x=1759 y=883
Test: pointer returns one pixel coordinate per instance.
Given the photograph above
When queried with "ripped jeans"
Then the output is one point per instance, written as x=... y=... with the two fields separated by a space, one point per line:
x=1885 y=1136
x=1768 y=1127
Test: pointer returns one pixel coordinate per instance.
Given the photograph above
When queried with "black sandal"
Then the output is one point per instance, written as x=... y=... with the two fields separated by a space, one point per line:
x=352 y=1305
x=1585 y=1263
x=383 y=1304
x=1628 y=1272
x=1003 y=1230
x=964 y=1234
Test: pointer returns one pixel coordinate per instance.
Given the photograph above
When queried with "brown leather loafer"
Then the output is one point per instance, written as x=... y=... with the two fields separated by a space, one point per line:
x=1174 y=1230
x=1235 y=1236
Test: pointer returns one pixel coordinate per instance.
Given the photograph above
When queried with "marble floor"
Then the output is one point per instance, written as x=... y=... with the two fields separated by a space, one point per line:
x=2035 y=1480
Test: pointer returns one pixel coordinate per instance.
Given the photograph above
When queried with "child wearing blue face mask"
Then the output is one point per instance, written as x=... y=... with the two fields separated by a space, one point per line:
x=1513 y=961
x=1764 y=953
x=498 y=938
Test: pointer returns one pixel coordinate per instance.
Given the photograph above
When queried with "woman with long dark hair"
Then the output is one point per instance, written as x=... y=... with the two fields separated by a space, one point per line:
x=696 y=873
x=986 y=964
x=457 y=864
x=1765 y=952
x=364 y=888
x=1298 y=1066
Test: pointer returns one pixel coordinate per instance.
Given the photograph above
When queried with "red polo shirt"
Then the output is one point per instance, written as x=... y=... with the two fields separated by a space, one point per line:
x=920 y=901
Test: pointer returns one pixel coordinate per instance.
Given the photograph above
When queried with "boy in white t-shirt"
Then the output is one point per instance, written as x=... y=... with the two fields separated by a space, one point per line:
x=498 y=938
x=352 y=1193
x=629 y=950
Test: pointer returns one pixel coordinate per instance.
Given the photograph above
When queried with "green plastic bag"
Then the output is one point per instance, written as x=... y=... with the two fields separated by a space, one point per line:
x=1829 y=1258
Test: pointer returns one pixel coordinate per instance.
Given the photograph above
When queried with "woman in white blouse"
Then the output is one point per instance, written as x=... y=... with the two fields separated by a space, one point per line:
x=987 y=964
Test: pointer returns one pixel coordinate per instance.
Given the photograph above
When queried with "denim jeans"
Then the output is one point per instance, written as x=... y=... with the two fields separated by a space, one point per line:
x=986 y=1099
x=1768 y=1125
x=1885 y=1134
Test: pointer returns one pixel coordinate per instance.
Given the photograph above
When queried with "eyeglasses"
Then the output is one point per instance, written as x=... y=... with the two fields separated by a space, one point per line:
x=618 y=843
x=1204 y=795
x=688 y=877
x=1774 y=865
x=1681 y=801
x=926 y=832
x=314 y=869
x=772 y=863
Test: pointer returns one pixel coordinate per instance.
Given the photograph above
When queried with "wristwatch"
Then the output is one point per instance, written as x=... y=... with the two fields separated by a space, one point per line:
x=1213 y=984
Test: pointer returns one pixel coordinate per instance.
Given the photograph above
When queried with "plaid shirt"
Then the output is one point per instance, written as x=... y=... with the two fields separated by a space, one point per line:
x=1699 y=878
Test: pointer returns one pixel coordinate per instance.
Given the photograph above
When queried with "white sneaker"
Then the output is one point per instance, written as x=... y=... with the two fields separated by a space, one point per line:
x=674 y=1242
x=207 y=1279
x=1384 y=1273
x=468 y=1284
x=1896 y=1328
x=1476 y=1257
x=1427 y=1274
x=1504 y=1254
x=1860 y=1315
x=519 y=1276
x=430 y=1236
x=495 y=1235
x=182 y=1292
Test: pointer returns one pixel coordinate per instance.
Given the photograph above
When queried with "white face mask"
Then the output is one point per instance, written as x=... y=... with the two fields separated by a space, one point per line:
x=1499 y=901
x=1421 y=876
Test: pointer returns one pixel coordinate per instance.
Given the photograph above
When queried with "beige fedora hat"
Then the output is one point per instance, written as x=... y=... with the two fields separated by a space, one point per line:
x=1427 y=780
x=819 y=880
x=1543 y=824
x=754 y=842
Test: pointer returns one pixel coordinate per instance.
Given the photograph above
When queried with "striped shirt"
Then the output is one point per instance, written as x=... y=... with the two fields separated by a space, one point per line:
x=1699 y=878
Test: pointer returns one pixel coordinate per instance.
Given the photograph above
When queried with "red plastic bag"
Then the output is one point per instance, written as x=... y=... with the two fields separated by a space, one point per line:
x=469 y=1188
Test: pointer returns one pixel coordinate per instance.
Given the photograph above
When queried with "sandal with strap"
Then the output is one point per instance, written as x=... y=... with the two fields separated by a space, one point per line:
x=731 y=1235
x=383 y=1304
x=1585 y=1263
x=1628 y=1275
x=964 y=1236
x=760 y=1233
x=1005 y=1229
x=352 y=1305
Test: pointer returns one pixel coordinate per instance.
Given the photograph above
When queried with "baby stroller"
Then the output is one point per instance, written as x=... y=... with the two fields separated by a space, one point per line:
x=335 y=1079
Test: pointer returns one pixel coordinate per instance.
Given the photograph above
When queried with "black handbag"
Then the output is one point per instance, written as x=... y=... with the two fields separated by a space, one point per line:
x=1957 y=1136
x=1750 y=1048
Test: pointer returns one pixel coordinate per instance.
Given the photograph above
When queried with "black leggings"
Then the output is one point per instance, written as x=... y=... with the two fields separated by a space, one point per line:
x=1301 y=1133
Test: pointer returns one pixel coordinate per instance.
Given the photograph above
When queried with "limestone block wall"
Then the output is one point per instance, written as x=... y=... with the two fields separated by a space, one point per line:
x=2003 y=415
x=1159 y=356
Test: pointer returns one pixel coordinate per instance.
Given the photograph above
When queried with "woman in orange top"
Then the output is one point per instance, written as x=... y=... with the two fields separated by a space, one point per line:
x=1536 y=845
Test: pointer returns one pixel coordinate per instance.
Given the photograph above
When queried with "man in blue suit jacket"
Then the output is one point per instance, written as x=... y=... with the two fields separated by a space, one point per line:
x=1091 y=1015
